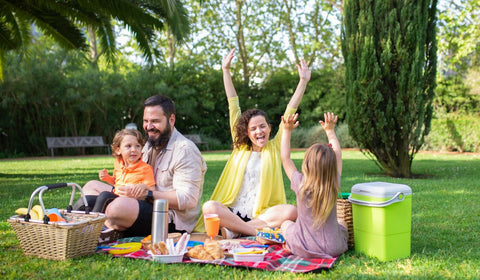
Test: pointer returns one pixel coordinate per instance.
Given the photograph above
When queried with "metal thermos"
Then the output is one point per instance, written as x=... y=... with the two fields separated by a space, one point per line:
x=160 y=220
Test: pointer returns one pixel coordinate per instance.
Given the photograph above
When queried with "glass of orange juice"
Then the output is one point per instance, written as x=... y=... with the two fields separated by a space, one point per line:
x=212 y=224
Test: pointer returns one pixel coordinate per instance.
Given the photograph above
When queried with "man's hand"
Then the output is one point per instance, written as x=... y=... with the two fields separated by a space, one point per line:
x=137 y=191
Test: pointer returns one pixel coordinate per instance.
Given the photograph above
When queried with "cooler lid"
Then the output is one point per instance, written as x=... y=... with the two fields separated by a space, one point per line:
x=380 y=189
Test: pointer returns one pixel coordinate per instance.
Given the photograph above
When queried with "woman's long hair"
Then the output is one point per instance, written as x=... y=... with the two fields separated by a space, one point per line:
x=319 y=189
x=241 y=129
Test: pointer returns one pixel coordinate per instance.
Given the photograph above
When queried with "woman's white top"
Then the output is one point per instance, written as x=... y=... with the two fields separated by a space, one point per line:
x=251 y=183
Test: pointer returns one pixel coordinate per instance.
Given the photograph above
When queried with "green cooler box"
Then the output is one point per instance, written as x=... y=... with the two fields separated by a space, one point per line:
x=382 y=219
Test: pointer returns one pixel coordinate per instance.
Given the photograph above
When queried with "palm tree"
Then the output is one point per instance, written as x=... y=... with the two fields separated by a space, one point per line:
x=69 y=22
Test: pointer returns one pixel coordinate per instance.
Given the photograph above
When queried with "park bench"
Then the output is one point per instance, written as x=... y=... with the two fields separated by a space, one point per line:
x=195 y=138
x=75 y=142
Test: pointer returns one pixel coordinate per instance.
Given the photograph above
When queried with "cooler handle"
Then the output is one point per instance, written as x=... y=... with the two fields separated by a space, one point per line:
x=399 y=196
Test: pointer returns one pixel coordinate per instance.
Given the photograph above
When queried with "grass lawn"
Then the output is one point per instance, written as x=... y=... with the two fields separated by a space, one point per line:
x=445 y=236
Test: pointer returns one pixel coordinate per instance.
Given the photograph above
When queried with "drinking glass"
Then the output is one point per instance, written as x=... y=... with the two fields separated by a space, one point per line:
x=212 y=224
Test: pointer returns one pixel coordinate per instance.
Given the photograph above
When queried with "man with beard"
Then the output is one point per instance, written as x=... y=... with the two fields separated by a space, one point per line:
x=179 y=170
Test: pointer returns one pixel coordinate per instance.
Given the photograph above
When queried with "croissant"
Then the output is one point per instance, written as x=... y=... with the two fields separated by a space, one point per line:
x=214 y=249
x=199 y=252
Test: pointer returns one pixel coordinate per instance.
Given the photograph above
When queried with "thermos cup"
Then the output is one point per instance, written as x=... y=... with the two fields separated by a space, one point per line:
x=160 y=220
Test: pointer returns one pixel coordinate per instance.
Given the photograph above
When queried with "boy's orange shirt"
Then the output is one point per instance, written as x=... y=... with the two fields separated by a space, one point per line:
x=138 y=173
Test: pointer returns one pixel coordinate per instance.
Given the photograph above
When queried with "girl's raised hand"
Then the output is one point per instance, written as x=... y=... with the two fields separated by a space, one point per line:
x=303 y=72
x=330 y=121
x=228 y=60
x=290 y=122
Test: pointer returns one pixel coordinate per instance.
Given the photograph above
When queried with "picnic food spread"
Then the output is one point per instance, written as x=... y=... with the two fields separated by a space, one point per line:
x=209 y=251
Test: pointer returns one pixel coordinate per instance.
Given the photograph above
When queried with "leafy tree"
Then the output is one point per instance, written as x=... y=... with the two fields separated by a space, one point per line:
x=65 y=21
x=459 y=56
x=459 y=35
x=390 y=58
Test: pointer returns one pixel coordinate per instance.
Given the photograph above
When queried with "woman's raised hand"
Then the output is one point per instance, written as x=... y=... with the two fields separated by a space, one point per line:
x=303 y=72
x=228 y=60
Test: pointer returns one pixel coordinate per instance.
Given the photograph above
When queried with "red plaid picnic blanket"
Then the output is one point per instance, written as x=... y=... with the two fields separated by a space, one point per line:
x=277 y=259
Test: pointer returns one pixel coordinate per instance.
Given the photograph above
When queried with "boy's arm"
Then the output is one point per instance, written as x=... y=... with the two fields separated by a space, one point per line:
x=289 y=124
x=104 y=176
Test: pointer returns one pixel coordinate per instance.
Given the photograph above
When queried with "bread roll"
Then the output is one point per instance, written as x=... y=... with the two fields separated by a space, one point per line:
x=199 y=252
x=214 y=249
x=159 y=248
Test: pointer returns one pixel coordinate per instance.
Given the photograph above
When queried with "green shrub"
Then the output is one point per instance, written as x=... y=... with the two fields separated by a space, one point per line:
x=454 y=133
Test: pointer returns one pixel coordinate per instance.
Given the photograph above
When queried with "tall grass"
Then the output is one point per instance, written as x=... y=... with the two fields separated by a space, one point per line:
x=445 y=222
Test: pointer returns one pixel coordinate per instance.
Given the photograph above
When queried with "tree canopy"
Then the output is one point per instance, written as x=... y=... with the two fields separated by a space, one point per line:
x=67 y=21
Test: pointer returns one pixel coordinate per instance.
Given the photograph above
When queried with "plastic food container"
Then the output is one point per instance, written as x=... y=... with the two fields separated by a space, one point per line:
x=167 y=258
x=248 y=254
x=382 y=219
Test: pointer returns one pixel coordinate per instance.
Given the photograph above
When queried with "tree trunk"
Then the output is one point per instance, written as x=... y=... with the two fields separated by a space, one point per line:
x=241 y=44
x=92 y=41
x=171 y=48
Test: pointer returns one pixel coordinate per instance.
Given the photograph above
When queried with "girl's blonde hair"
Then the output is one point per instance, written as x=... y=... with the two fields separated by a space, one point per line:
x=320 y=185
x=118 y=138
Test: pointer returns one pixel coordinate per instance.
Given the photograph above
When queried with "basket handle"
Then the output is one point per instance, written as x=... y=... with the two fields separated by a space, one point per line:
x=56 y=186
x=42 y=189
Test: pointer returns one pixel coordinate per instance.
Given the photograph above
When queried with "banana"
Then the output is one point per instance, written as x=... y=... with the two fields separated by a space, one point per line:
x=36 y=213
x=33 y=214
x=37 y=208
x=21 y=211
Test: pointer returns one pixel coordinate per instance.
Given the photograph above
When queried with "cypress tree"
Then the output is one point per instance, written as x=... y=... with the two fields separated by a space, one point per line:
x=389 y=48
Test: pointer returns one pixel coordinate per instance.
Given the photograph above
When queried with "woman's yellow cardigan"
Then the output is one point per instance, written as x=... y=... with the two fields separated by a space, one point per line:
x=272 y=190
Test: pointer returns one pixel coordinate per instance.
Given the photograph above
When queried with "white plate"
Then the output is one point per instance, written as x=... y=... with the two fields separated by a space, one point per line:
x=167 y=258
x=241 y=255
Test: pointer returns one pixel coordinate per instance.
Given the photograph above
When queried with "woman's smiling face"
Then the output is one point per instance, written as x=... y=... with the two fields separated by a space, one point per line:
x=258 y=132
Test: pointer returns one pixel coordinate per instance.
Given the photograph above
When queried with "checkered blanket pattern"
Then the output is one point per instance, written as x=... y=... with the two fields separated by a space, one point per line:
x=277 y=259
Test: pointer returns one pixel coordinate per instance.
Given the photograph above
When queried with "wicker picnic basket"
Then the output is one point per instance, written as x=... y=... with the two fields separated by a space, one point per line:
x=344 y=213
x=76 y=237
